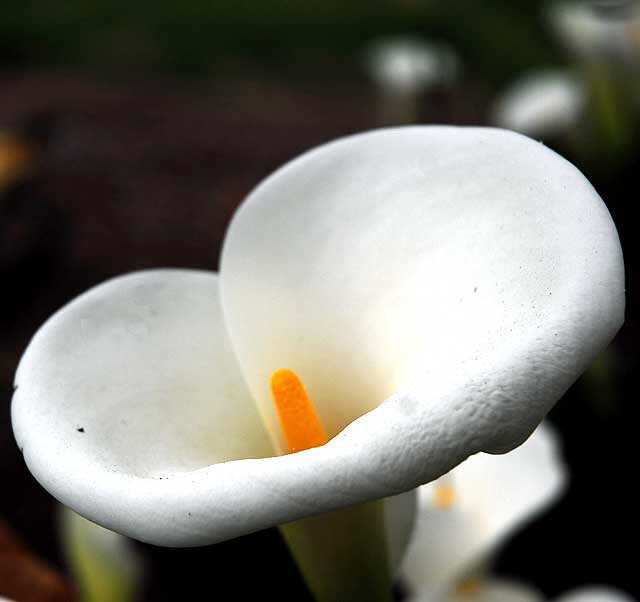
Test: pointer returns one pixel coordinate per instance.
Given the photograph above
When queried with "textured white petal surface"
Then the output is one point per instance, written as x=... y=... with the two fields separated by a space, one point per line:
x=545 y=103
x=494 y=495
x=596 y=594
x=465 y=275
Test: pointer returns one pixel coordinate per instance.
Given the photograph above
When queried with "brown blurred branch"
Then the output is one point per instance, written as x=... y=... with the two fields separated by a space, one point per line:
x=26 y=578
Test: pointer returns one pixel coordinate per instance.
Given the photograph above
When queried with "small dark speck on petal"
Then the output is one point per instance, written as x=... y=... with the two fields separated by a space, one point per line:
x=475 y=289
x=80 y=430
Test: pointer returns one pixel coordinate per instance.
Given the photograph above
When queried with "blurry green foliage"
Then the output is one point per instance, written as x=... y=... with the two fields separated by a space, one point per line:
x=497 y=37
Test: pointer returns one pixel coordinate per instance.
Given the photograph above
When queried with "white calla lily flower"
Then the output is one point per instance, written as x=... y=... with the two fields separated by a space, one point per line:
x=541 y=104
x=599 y=33
x=598 y=593
x=463 y=517
x=437 y=289
x=408 y=64
x=402 y=68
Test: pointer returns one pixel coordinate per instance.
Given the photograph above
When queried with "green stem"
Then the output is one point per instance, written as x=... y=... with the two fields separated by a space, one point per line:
x=342 y=555
x=609 y=108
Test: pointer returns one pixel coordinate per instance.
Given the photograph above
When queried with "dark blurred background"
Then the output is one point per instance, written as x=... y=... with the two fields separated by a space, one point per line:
x=129 y=133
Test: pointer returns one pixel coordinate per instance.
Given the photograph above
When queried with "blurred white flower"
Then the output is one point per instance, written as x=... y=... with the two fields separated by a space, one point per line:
x=593 y=593
x=403 y=68
x=599 y=32
x=410 y=64
x=542 y=104
x=463 y=517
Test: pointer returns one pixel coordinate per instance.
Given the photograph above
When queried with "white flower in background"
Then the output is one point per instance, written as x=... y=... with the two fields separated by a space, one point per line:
x=604 y=41
x=463 y=517
x=402 y=69
x=410 y=64
x=596 y=594
x=436 y=289
x=593 y=31
x=541 y=104
x=104 y=565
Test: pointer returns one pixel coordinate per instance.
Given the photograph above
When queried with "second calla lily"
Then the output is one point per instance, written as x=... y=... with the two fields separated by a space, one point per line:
x=436 y=289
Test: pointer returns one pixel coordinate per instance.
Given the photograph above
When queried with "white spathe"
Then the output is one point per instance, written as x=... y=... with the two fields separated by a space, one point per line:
x=453 y=280
x=494 y=496
x=599 y=593
x=598 y=33
x=408 y=64
x=541 y=104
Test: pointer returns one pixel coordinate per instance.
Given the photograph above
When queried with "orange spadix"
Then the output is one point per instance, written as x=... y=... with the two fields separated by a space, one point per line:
x=300 y=422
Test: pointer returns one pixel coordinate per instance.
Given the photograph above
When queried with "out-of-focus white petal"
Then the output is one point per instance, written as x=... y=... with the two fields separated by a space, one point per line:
x=464 y=275
x=596 y=593
x=541 y=104
x=493 y=495
x=104 y=564
x=597 y=32
x=408 y=64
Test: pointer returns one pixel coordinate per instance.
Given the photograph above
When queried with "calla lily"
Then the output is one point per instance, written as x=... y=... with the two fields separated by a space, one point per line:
x=463 y=517
x=437 y=289
x=408 y=64
x=541 y=104
x=605 y=40
x=402 y=68
x=596 y=594
x=599 y=33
